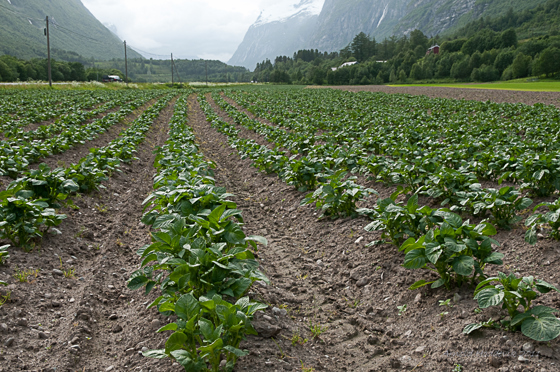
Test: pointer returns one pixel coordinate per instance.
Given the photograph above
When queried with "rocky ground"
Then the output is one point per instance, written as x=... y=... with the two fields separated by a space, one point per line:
x=332 y=300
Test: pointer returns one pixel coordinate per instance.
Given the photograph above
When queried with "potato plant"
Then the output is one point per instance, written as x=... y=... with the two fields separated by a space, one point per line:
x=516 y=296
x=550 y=218
x=338 y=197
x=458 y=252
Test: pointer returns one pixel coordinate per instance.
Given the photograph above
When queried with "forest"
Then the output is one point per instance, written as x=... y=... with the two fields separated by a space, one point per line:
x=502 y=48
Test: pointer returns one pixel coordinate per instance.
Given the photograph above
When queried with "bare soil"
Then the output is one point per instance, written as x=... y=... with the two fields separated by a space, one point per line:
x=323 y=277
x=500 y=96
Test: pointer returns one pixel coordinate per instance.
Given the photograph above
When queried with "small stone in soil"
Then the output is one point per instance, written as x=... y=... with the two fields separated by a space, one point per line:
x=113 y=317
x=58 y=272
x=9 y=342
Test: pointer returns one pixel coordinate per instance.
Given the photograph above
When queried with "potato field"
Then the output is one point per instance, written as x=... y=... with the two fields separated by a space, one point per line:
x=275 y=228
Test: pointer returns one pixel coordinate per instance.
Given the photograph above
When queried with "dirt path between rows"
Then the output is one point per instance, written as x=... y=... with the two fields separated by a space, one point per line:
x=501 y=96
x=325 y=277
x=87 y=320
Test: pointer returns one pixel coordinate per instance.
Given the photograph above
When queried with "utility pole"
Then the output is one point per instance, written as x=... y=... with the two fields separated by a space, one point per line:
x=172 y=70
x=178 y=77
x=125 y=64
x=206 y=73
x=48 y=52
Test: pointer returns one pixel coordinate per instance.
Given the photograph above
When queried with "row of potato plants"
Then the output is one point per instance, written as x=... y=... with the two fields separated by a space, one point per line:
x=16 y=155
x=456 y=185
x=73 y=113
x=439 y=240
x=199 y=258
x=35 y=105
x=29 y=206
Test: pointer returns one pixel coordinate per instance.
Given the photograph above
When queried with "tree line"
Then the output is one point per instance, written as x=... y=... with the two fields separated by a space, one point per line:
x=483 y=50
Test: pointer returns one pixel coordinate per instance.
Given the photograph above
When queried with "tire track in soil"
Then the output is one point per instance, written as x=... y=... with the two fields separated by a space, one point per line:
x=92 y=321
x=322 y=271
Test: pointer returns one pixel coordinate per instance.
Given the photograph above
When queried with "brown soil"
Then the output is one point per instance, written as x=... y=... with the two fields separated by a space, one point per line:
x=321 y=273
x=505 y=96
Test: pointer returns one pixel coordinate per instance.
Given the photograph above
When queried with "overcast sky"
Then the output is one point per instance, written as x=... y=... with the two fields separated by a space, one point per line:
x=210 y=29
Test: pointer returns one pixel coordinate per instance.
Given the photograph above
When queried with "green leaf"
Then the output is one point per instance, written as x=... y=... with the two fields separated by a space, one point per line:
x=187 y=306
x=453 y=220
x=438 y=283
x=545 y=327
x=235 y=351
x=415 y=259
x=168 y=327
x=258 y=239
x=137 y=282
x=185 y=359
x=545 y=287
x=531 y=236
x=472 y=327
x=490 y=297
x=175 y=342
x=463 y=265
x=419 y=284
x=156 y=354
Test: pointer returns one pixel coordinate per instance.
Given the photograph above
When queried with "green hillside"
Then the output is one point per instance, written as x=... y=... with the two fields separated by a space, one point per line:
x=73 y=28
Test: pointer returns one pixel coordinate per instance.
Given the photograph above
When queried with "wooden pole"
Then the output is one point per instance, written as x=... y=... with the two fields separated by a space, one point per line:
x=206 y=73
x=49 y=53
x=172 y=81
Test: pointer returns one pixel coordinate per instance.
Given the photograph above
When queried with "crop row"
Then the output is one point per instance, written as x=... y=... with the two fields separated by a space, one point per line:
x=436 y=240
x=72 y=113
x=30 y=203
x=27 y=107
x=200 y=258
x=16 y=155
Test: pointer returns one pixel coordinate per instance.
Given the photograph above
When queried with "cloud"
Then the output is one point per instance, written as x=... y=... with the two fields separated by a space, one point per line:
x=195 y=28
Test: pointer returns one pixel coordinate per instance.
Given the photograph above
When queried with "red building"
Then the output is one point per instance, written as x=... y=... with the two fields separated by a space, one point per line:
x=434 y=49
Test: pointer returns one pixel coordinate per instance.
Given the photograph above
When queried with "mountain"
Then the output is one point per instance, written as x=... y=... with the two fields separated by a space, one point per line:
x=339 y=21
x=72 y=29
x=280 y=30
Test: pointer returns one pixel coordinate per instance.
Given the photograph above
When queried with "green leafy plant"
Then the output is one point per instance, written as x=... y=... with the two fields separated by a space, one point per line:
x=4 y=254
x=550 y=218
x=297 y=339
x=206 y=330
x=502 y=204
x=50 y=186
x=398 y=221
x=22 y=275
x=402 y=309
x=513 y=293
x=316 y=329
x=23 y=218
x=454 y=250
x=338 y=197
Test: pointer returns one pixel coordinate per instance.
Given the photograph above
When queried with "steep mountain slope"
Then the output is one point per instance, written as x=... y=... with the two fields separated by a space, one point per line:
x=340 y=20
x=72 y=28
x=280 y=30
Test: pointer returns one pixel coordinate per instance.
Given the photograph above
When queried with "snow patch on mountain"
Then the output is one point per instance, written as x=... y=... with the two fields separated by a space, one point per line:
x=286 y=9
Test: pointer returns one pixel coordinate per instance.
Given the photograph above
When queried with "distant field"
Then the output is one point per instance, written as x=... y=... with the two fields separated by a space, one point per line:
x=533 y=86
